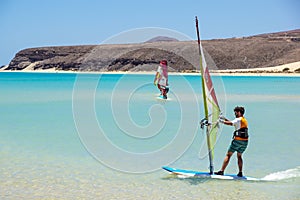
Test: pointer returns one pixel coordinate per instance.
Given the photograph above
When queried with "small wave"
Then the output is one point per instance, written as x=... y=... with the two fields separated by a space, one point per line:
x=282 y=175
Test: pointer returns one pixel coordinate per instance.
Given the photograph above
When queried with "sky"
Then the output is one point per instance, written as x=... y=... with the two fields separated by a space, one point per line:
x=35 y=23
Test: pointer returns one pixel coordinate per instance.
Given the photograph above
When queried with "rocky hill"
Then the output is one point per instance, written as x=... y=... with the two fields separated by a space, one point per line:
x=265 y=50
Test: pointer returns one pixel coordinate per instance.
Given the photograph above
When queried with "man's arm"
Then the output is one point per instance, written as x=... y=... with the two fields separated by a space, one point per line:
x=156 y=78
x=225 y=121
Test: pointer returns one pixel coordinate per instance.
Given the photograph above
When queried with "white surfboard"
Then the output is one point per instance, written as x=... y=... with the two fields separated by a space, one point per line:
x=161 y=98
x=182 y=173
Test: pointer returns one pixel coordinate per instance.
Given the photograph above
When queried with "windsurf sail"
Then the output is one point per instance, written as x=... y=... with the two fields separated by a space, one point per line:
x=211 y=107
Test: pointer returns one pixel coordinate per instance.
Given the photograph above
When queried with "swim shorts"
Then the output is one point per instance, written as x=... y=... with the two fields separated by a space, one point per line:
x=238 y=145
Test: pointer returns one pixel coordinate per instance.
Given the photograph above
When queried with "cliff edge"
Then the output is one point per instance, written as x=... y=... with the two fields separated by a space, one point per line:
x=265 y=50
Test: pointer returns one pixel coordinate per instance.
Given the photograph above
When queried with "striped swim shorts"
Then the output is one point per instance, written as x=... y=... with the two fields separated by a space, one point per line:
x=238 y=145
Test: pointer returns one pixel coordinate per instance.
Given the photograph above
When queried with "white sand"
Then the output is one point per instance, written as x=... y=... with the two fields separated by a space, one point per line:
x=281 y=70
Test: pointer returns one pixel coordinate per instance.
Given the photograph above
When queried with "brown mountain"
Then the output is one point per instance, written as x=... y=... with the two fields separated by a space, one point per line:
x=264 y=50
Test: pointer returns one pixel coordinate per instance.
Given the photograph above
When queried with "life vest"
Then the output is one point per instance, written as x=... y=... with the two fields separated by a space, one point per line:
x=242 y=133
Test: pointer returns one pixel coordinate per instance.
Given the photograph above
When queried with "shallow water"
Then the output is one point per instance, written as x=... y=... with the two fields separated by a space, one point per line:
x=106 y=136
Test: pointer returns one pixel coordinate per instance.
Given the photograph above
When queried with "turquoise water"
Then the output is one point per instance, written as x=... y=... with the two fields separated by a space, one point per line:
x=88 y=136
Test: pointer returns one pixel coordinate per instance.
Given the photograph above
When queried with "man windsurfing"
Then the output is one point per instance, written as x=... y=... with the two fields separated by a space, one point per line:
x=240 y=139
x=161 y=79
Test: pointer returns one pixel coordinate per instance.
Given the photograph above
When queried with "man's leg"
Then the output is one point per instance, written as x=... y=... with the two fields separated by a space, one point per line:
x=158 y=86
x=240 y=161
x=164 y=93
x=225 y=163
x=226 y=160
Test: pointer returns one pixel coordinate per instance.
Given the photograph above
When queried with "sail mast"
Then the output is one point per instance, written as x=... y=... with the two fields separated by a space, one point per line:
x=202 y=72
x=211 y=167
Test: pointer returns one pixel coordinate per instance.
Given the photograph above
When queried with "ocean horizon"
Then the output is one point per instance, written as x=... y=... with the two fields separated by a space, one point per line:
x=106 y=136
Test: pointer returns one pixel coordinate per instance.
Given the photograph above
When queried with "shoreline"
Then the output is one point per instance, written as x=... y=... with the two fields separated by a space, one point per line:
x=287 y=70
x=212 y=73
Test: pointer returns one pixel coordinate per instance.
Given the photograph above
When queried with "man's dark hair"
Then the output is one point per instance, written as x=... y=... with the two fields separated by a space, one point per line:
x=239 y=109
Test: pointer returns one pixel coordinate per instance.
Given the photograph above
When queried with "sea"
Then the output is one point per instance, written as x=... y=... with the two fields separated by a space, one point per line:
x=106 y=136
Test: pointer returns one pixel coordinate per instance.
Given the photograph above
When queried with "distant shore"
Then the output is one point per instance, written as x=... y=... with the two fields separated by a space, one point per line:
x=292 y=69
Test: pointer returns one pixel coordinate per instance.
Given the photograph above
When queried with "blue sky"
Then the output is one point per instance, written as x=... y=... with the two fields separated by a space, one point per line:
x=36 y=23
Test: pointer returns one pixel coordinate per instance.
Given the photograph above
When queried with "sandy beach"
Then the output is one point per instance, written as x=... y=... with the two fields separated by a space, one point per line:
x=291 y=69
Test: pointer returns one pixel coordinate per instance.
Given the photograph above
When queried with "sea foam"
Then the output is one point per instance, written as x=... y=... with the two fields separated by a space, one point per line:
x=282 y=175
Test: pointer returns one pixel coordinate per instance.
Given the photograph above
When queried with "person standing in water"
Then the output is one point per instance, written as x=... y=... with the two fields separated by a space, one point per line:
x=240 y=139
x=161 y=79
